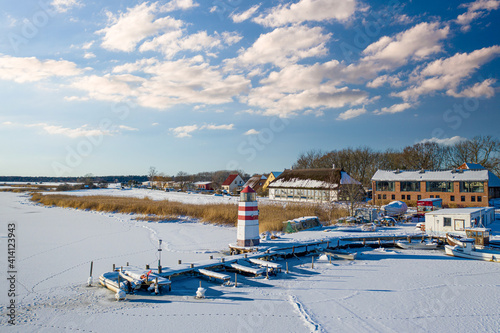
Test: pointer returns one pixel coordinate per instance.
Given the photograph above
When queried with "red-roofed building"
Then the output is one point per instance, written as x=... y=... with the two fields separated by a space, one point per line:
x=233 y=182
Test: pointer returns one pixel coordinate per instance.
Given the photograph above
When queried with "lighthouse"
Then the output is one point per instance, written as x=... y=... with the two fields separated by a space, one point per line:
x=248 y=218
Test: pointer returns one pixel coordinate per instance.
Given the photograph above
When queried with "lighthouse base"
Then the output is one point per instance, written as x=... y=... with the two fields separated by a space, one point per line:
x=248 y=242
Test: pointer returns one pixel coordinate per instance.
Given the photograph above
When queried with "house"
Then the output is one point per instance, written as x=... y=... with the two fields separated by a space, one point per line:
x=204 y=186
x=233 y=182
x=461 y=187
x=272 y=176
x=440 y=222
x=311 y=185
x=256 y=182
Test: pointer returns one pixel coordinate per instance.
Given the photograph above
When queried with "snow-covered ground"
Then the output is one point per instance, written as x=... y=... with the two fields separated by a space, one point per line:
x=382 y=291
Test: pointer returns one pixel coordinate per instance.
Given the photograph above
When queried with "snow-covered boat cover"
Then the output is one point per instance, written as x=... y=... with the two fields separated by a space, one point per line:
x=395 y=208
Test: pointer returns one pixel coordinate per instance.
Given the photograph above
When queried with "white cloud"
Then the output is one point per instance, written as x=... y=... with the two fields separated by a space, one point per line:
x=445 y=141
x=480 y=89
x=184 y=131
x=127 y=128
x=173 y=42
x=87 y=45
x=62 y=6
x=351 y=113
x=418 y=42
x=476 y=10
x=155 y=124
x=396 y=108
x=238 y=18
x=178 y=5
x=89 y=55
x=251 y=132
x=126 y=30
x=393 y=81
x=308 y=10
x=83 y=131
x=227 y=127
x=187 y=131
x=284 y=46
x=448 y=73
x=31 y=69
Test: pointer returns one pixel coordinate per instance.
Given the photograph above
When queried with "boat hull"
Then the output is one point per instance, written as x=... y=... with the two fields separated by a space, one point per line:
x=486 y=255
x=416 y=245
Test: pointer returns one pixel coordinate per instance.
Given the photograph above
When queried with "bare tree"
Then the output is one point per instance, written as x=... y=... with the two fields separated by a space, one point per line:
x=484 y=150
x=152 y=174
x=183 y=178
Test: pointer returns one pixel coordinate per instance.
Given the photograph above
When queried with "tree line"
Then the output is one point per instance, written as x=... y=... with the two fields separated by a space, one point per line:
x=362 y=162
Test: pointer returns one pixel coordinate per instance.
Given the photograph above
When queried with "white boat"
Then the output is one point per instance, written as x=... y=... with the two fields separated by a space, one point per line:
x=417 y=245
x=113 y=282
x=468 y=251
x=341 y=254
x=395 y=208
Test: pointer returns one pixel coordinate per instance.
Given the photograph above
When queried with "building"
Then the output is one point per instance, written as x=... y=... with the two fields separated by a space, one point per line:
x=460 y=187
x=256 y=182
x=272 y=176
x=233 y=182
x=311 y=185
x=204 y=186
x=440 y=222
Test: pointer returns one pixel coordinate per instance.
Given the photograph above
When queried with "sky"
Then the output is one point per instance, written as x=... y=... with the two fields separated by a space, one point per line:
x=114 y=87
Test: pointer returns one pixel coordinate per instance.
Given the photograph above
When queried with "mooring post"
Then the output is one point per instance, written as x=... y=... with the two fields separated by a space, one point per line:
x=286 y=267
x=409 y=239
x=114 y=267
x=330 y=258
x=364 y=242
x=147 y=266
x=211 y=257
x=338 y=242
x=293 y=249
x=267 y=272
x=245 y=256
x=379 y=242
x=89 y=282
x=236 y=279
x=127 y=264
x=179 y=261
x=327 y=244
x=222 y=260
x=191 y=266
x=394 y=241
x=159 y=269
x=312 y=262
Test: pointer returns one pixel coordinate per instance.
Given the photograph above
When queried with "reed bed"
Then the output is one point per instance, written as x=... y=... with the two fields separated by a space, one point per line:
x=271 y=216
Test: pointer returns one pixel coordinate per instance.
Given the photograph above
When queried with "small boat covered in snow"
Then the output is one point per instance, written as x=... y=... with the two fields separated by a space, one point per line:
x=115 y=283
x=341 y=254
x=468 y=251
x=416 y=245
x=395 y=208
x=363 y=228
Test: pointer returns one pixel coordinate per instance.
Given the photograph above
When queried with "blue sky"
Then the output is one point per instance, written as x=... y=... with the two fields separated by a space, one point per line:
x=185 y=85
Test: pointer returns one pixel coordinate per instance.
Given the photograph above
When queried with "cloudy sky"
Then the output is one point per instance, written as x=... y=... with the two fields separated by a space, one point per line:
x=187 y=85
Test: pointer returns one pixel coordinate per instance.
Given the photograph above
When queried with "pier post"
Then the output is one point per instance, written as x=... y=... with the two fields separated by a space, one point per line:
x=127 y=264
x=330 y=257
x=312 y=262
x=191 y=266
x=236 y=279
x=147 y=266
x=327 y=244
x=222 y=260
x=293 y=249
x=379 y=242
x=245 y=255
x=286 y=267
x=159 y=269
x=364 y=242
x=179 y=261
x=211 y=257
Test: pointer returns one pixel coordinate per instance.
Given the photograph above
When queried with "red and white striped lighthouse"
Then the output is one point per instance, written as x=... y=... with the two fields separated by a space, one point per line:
x=248 y=218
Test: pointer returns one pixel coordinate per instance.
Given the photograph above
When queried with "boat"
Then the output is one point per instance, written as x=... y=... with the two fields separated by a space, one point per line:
x=147 y=278
x=113 y=282
x=341 y=254
x=454 y=240
x=394 y=208
x=468 y=251
x=417 y=245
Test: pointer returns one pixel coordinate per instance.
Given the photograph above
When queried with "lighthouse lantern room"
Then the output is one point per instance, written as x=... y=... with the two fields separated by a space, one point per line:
x=248 y=219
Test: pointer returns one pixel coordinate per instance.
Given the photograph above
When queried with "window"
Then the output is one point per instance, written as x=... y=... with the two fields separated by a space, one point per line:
x=439 y=186
x=462 y=198
x=393 y=197
x=384 y=186
x=479 y=198
x=447 y=222
x=419 y=197
x=409 y=186
x=408 y=197
x=472 y=187
x=379 y=196
x=402 y=197
x=437 y=196
x=452 y=198
x=384 y=196
x=473 y=198
x=432 y=196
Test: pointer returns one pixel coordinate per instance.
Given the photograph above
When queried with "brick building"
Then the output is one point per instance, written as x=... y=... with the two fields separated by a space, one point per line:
x=462 y=187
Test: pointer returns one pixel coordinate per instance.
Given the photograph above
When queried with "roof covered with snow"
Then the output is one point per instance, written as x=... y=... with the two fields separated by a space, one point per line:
x=437 y=175
x=313 y=178
x=472 y=166
x=254 y=182
x=455 y=211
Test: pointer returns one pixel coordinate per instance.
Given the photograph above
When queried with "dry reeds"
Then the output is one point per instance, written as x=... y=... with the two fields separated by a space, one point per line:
x=271 y=216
